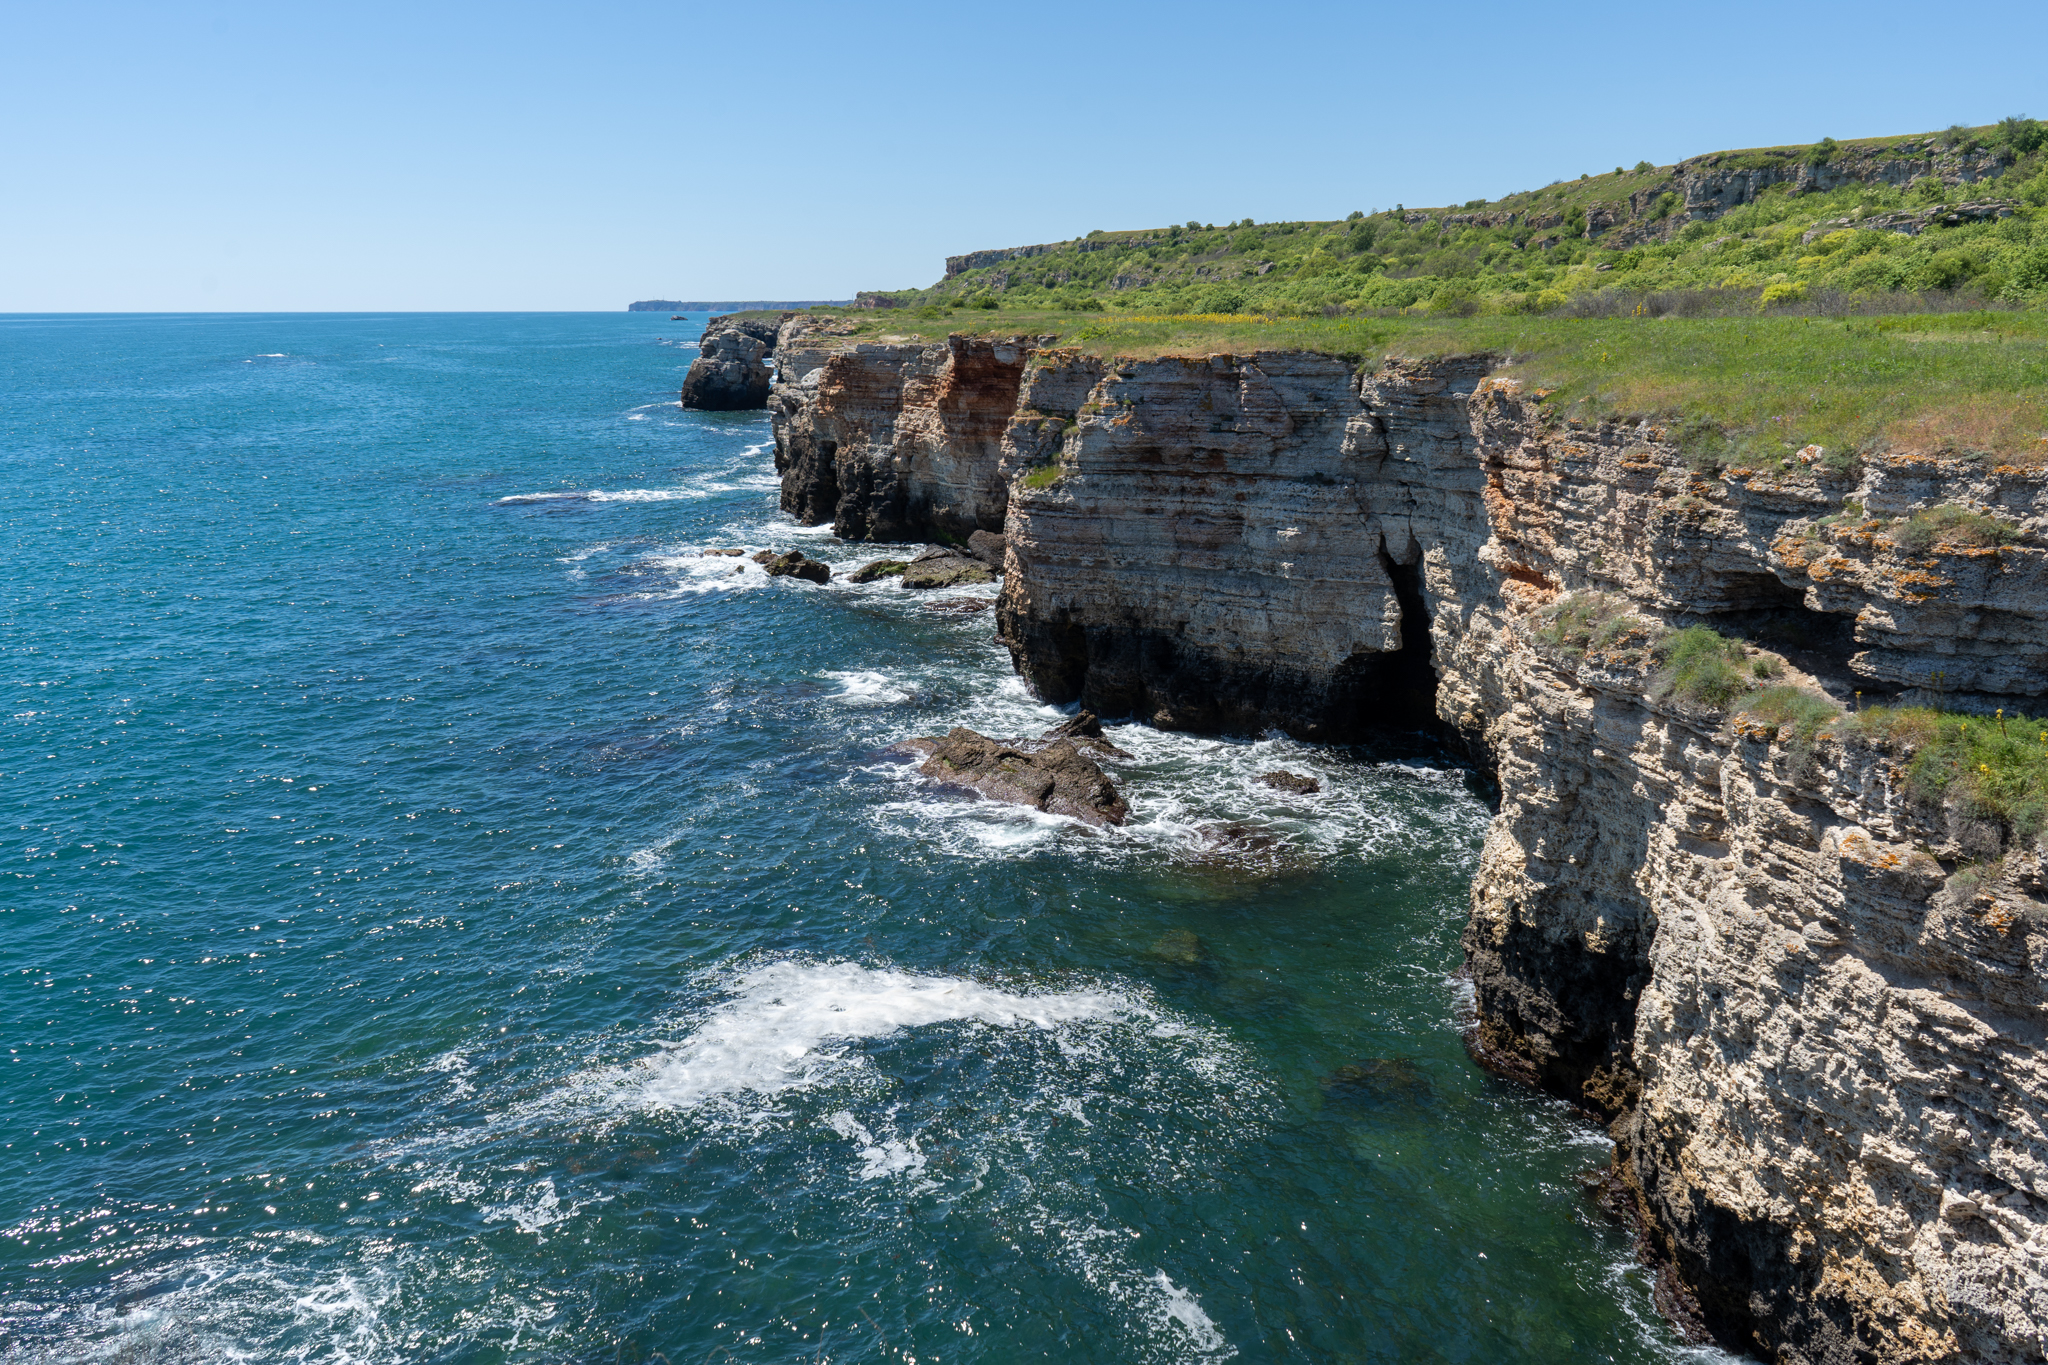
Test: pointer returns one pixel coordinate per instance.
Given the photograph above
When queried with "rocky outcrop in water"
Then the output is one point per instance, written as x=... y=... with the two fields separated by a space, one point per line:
x=1808 y=997
x=731 y=371
x=1049 y=775
x=793 y=564
x=942 y=566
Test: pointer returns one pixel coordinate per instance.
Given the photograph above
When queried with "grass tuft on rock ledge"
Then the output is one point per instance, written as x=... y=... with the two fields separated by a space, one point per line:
x=1992 y=768
x=1601 y=625
x=1702 y=667
x=1949 y=524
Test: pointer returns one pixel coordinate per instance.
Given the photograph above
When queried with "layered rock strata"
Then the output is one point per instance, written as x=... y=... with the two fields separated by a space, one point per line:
x=731 y=371
x=1810 y=1005
x=897 y=440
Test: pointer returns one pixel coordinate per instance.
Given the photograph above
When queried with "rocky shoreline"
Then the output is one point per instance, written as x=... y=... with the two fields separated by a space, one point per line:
x=1809 y=1005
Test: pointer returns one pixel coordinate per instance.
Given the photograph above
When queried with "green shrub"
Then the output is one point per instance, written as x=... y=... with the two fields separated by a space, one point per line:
x=1929 y=189
x=1703 y=667
x=1644 y=168
x=1043 y=476
x=1666 y=202
x=1822 y=152
x=1949 y=524
x=1784 y=291
x=2021 y=135
x=986 y=301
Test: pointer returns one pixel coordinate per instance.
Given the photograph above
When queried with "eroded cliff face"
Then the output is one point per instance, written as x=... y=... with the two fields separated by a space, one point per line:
x=896 y=441
x=731 y=371
x=1811 y=1007
x=1197 y=559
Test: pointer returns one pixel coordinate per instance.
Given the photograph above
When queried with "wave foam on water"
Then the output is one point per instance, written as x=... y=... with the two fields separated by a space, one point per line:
x=792 y=1025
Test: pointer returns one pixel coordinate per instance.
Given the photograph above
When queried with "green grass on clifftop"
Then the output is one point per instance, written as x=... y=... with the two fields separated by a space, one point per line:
x=1966 y=383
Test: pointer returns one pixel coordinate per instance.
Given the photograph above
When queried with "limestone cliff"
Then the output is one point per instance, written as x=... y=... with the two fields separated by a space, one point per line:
x=896 y=440
x=731 y=371
x=1810 y=1004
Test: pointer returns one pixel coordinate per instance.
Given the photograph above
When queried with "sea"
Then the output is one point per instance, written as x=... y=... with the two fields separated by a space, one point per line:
x=451 y=916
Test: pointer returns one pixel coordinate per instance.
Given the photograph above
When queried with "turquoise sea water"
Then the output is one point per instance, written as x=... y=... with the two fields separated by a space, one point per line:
x=450 y=919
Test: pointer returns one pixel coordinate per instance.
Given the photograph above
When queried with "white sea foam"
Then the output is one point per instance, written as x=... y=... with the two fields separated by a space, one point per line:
x=888 y=1156
x=541 y=1209
x=866 y=686
x=456 y=1067
x=792 y=1025
x=1168 y=1320
x=610 y=495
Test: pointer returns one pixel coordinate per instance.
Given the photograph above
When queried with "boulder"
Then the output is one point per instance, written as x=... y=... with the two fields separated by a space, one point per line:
x=1055 y=778
x=961 y=604
x=795 y=565
x=878 y=568
x=988 y=547
x=1282 y=780
x=734 y=554
x=942 y=566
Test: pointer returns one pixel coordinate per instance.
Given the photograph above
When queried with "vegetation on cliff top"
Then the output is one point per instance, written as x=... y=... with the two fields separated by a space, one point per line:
x=1890 y=222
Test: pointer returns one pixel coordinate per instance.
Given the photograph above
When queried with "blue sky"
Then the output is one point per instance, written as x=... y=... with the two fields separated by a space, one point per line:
x=289 y=156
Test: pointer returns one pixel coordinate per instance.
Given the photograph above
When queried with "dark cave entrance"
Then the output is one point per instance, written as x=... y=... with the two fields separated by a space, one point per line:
x=1409 y=679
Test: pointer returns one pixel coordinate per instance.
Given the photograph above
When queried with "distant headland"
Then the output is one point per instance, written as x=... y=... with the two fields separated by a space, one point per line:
x=729 y=306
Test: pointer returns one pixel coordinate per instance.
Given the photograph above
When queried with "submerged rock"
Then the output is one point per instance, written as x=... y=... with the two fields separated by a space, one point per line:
x=732 y=554
x=945 y=567
x=1182 y=947
x=1239 y=837
x=877 y=568
x=1378 y=1081
x=1056 y=779
x=961 y=604
x=1282 y=780
x=794 y=565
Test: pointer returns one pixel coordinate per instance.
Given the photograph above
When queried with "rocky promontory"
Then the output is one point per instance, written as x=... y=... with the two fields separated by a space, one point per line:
x=1803 y=986
x=731 y=371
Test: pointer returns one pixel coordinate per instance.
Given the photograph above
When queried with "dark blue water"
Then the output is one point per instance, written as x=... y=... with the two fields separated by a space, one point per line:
x=450 y=918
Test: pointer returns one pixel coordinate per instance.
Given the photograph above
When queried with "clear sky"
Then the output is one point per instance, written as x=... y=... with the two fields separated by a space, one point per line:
x=285 y=156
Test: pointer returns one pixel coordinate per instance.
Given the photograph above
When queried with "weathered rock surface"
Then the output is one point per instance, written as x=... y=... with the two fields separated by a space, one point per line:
x=878 y=568
x=1084 y=731
x=1283 y=781
x=988 y=547
x=1052 y=776
x=731 y=370
x=1204 y=561
x=1825 y=1054
x=942 y=566
x=794 y=565
x=897 y=441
